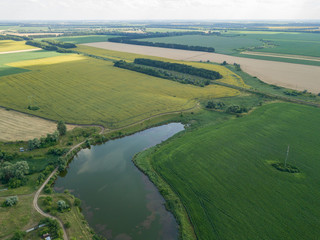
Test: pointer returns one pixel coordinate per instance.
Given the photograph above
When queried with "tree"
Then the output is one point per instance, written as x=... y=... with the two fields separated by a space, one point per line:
x=17 y=171
x=35 y=143
x=61 y=127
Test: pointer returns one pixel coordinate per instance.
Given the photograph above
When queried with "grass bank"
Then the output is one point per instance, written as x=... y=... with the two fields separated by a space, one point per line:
x=227 y=184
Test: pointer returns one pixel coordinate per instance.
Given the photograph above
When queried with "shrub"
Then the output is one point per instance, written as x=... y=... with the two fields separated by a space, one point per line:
x=67 y=225
x=62 y=205
x=236 y=109
x=11 y=201
x=18 y=235
x=77 y=202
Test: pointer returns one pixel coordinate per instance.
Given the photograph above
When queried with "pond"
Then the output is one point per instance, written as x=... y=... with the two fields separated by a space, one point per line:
x=119 y=201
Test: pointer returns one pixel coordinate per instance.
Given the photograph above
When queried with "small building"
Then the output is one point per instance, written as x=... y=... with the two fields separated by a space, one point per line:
x=46 y=236
x=21 y=149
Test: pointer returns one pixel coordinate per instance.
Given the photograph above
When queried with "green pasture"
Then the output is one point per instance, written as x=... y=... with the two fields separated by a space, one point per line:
x=223 y=176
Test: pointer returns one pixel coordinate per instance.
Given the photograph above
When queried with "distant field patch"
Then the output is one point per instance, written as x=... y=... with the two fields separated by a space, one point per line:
x=296 y=43
x=222 y=44
x=47 y=61
x=18 y=126
x=84 y=39
x=85 y=90
x=9 y=45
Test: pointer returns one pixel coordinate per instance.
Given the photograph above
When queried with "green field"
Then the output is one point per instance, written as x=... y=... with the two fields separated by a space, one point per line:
x=14 y=57
x=224 y=178
x=20 y=217
x=170 y=30
x=306 y=44
x=84 y=39
x=222 y=44
x=79 y=89
x=233 y=42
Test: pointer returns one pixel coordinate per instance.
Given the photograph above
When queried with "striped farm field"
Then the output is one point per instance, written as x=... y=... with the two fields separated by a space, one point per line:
x=9 y=45
x=79 y=89
x=223 y=175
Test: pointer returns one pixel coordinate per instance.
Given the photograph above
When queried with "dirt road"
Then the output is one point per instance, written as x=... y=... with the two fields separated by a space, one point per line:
x=36 y=206
x=295 y=76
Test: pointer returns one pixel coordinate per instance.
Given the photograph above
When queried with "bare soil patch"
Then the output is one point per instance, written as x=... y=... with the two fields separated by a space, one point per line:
x=18 y=126
x=295 y=76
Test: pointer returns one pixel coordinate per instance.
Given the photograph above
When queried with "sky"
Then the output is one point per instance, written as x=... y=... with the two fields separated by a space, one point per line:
x=159 y=9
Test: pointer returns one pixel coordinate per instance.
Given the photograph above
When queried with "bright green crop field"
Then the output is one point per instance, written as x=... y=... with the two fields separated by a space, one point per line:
x=306 y=44
x=223 y=175
x=222 y=44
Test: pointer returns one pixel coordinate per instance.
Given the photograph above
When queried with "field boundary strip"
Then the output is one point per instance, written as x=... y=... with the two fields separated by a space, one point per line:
x=272 y=96
x=279 y=55
x=19 y=51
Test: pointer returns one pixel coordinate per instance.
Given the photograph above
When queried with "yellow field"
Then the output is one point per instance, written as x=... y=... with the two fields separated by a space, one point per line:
x=18 y=126
x=84 y=90
x=9 y=45
x=46 y=61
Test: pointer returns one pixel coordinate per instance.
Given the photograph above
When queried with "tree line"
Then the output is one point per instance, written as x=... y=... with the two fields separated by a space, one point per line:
x=13 y=37
x=178 y=67
x=161 y=74
x=163 y=45
x=52 y=45
x=130 y=38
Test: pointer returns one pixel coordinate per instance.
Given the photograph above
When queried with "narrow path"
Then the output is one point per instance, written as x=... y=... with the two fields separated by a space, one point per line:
x=38 y=209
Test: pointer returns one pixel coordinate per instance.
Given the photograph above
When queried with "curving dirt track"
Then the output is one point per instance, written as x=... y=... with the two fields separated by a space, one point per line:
x=36 y=206
x=290 y=75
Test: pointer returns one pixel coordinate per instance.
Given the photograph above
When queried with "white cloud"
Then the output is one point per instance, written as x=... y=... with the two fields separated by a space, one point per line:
x=159 y=9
